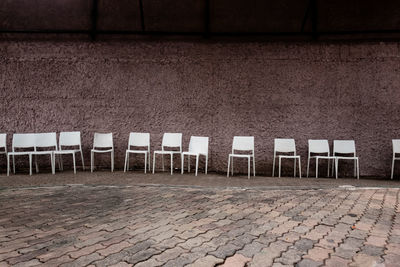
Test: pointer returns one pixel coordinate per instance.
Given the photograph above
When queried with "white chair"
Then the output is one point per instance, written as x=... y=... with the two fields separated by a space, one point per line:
x=346 y=147
x=172 y=140
x=3 y=144
x=242 y=143
x=285 y=146
x=101 y=142
x=21 y=141
x=138 y=140
x=318 y=147
x=47 y=145
x=198 y=146
x=73 y=141
x=396 y=150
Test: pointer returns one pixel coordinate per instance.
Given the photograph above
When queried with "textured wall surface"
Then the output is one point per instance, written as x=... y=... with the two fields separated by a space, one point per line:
x=269 y=90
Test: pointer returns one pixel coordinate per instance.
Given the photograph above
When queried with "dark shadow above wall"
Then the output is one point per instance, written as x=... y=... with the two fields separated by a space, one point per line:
x=265 y=19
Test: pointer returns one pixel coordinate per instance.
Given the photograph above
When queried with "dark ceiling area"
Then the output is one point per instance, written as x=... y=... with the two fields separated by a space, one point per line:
x=313 y=19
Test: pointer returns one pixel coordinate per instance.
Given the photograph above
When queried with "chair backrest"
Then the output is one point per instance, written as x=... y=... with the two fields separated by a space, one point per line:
x=396 y=146
x=318 y=146
x=46 y=140
x=103 y=140
x=198 y=144
x=70 y=139
x=244 y=143
x=284 y=145
x=25 y=140
x=172 y=140
x=139 y=139
x=3 y=141
x=344 y=147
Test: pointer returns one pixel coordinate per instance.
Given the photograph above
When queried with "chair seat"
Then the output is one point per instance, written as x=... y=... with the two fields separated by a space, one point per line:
x=47 y=152
x=20 y=153
x=102 y=151
x=288 y=156
x=167 y=152
x=69 y=151
x=137 y=151
x=240 y=155
x=346 y=157
x=324 y=157
x=193 y=153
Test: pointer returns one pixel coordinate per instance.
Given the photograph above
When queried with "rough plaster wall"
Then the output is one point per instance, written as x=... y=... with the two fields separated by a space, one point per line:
x=269 y=90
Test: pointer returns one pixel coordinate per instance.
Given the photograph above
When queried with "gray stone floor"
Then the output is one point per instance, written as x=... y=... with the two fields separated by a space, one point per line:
x=127 y=219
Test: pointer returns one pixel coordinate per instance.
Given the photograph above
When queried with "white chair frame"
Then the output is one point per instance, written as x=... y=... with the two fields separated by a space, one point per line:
x=24 y=140
x=102 y=140
x=45 y=140
x=346 y=147
x=242 y=143
x=169 y=140
x=138 y=140
x=318 y=146
x=70 y=139
x=396 y=150
x=285 y=146
x=198 y=146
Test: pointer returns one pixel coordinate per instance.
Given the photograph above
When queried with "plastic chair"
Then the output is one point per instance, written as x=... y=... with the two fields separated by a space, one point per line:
x=396 y=150
x=138 y=140
x=198 y=146
x=173 y=140
x=318 y=147
x=346 y=147
x=70 y=139
x=101 y=142
x=3 y=144
x=21 y=141
x=242 y=143
x=285 y=146
x=47 y=144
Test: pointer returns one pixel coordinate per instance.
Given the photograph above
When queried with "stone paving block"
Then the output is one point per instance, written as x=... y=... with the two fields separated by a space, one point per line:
x=207 y=261
x=236 y=260
x=84 y=260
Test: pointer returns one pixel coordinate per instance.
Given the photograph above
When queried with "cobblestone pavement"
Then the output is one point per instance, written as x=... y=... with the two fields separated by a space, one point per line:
x=186 y=226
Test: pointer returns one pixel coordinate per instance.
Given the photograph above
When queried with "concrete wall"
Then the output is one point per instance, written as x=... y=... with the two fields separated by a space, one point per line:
x=215 y=89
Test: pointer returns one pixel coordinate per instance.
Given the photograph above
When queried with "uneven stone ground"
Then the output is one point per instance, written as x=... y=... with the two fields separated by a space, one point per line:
x=129 y=219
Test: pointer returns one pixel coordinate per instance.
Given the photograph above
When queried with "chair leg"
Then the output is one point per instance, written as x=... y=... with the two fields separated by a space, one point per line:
x=182 y=163
x=149 y=160
x=197 y=163
x=206 y=163
x=229 y=162
x=328 y=167
x=273 y=167
x=162 y=161
x=13 y=157
x=355 y=168
x=127 y=162
x=83 y=162
x=248 y=168
x=358 y=169
x=8 y=165
x=74 y=160
x=91 y=161
x=391 y=177
x=299 y=167
x=279 y=167
x=154 y=161
x=53 y=163
x=188 y=163
x=112 y=161
x=36 y=164
x=308 y=165
x=294 y=167
x=145 y=162
x=232 y=167
x=336 y=167
x=254 y=166
x=126 y=158
x=316 y=167
x=172 y=163
x=30 y=164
